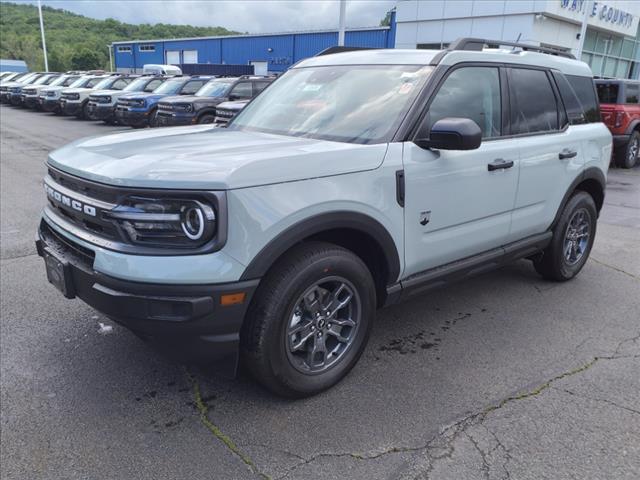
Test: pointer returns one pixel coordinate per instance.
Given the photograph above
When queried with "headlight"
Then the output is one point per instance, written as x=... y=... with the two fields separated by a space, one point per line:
x=51 y=94
x=165 y=222
x=184 y=107
x=106 y=99
x=137 y=103
x=72 y=96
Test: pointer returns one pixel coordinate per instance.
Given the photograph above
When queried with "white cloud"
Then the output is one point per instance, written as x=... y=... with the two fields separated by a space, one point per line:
x=253 y=16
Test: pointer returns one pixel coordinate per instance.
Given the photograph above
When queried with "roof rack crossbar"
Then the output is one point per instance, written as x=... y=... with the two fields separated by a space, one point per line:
x=478 y=44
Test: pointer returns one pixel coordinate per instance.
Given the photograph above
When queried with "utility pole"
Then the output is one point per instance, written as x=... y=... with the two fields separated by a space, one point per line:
x=583 y=31
x=44 y=44
x=343 y=12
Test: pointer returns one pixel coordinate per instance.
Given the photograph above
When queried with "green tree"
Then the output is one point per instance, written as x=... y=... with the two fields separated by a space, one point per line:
x=85 y=59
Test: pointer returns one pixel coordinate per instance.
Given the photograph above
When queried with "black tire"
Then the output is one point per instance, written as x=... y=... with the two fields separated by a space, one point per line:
x=627 y=157
x=206 y=119
x=83 y=114
x=153 y=118
x=265 y=341
x=554 y=264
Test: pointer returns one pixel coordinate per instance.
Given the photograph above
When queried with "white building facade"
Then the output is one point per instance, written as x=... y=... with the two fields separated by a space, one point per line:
x=611 y=45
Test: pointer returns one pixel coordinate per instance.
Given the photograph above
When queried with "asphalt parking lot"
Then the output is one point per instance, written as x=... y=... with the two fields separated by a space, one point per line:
x=502 y=376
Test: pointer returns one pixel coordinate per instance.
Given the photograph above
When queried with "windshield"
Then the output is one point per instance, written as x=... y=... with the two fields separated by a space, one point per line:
x=137 y=85
x=105 y=84
x=42 y=79
x=59 y=81
x=347 y=103
x=215 y=88
x=169 y=87
x=79 y=82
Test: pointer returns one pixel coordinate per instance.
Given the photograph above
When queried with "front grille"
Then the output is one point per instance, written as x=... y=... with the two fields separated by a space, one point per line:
x=225 y=113
x=62 y=244
x=165 y=106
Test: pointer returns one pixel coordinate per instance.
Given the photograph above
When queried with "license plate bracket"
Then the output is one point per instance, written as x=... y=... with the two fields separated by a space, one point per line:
x=59 y=273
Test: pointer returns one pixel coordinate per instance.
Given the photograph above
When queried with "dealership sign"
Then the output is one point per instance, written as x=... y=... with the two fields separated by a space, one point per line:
x=601 y=11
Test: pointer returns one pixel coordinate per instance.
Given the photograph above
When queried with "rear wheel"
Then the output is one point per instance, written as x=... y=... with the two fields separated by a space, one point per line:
x=310 y=320
x=628 y=156
x=572 y=240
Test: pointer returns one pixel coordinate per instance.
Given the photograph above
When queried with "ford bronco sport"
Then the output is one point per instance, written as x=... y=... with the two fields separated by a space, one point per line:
x=356 y=180
x=620 y=109
x=49 y=96
x=102 y=104
x=75 y=101
x=141 y=109
x=201 y=107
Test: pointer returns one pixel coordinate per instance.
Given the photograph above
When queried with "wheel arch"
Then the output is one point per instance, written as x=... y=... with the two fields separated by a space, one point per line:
x=634 y=126
x=206 y=111
x=591 y=181
x=357 y=232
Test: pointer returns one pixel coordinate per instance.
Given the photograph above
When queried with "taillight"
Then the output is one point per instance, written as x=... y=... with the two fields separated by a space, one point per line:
x=619 y=118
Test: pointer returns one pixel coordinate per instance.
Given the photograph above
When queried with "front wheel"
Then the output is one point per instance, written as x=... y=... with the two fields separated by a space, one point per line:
x=206 y=119
x=153 y=119
x=310 y=320
x=572 y=240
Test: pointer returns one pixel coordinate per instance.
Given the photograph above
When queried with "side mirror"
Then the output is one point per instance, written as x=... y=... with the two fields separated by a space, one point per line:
x=233 y=98
x=452 y=134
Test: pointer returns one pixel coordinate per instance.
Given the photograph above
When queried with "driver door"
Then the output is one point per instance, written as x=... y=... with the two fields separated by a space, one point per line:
x=456 y=203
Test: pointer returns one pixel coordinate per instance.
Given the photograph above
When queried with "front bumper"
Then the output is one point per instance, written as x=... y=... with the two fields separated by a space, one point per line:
x=31 y=101
x=4 y=97
x=169 y=119
x=188 y=322
x=49 y=104
x=99 y=111
x=70 y=108
x=132 y=117
x=15 y=99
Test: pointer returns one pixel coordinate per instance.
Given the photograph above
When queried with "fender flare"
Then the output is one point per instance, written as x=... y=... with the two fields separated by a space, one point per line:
x=634 y=125
x=206 y=111
x=591 y=173
x=316 y=224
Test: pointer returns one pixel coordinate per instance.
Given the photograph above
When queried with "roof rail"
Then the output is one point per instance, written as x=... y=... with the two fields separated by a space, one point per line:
x=478 y=44
x=336 y=49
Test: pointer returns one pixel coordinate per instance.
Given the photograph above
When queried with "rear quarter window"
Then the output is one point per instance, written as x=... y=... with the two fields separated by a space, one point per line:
x=586 y=93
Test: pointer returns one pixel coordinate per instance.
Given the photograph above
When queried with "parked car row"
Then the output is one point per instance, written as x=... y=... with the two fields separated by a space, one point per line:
x=147 y=100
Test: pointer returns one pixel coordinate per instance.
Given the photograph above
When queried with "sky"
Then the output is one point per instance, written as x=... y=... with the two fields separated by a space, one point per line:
x=252 y=16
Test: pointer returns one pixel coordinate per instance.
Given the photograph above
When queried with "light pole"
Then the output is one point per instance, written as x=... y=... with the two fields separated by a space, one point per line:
x=44 y=44
x=583 y=30
x=343 y=11
x=110 y=58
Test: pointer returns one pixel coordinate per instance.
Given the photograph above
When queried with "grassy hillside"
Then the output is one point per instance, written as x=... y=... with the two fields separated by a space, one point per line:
x=75 y=41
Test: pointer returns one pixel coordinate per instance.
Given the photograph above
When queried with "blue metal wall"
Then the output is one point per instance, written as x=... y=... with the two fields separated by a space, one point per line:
x=280 y=51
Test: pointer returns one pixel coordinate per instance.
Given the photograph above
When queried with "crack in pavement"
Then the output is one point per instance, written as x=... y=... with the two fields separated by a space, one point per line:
x=450 y=433
x=203 y=410
x=596 y=399
x=617 y=269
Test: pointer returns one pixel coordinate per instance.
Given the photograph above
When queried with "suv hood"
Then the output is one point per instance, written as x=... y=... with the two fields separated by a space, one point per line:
x=104 y=92
x=76 y=90
x=206 y=157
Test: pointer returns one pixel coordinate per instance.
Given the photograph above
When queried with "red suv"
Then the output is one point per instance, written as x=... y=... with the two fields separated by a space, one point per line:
x=620 y=112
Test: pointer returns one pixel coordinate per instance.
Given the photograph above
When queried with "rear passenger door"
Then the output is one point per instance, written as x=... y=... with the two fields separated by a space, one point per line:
x=551 y=153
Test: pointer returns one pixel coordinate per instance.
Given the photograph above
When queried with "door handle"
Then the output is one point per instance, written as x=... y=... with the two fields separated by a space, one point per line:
x=566 y=153
x=499 y=164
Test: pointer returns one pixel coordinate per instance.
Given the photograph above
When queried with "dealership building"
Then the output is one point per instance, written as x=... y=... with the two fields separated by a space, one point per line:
x=269 y=53
x=611 y=44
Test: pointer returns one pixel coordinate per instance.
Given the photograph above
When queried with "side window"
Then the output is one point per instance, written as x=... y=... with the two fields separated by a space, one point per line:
x=586 y=93
x=631 y=92
x=119 y=84
x=192 y=87
x=93 y=82
x=572 y=105
x=258 y=87
x=152 y=85
x=533 y=103
x=241 y=90
x=470 y=92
